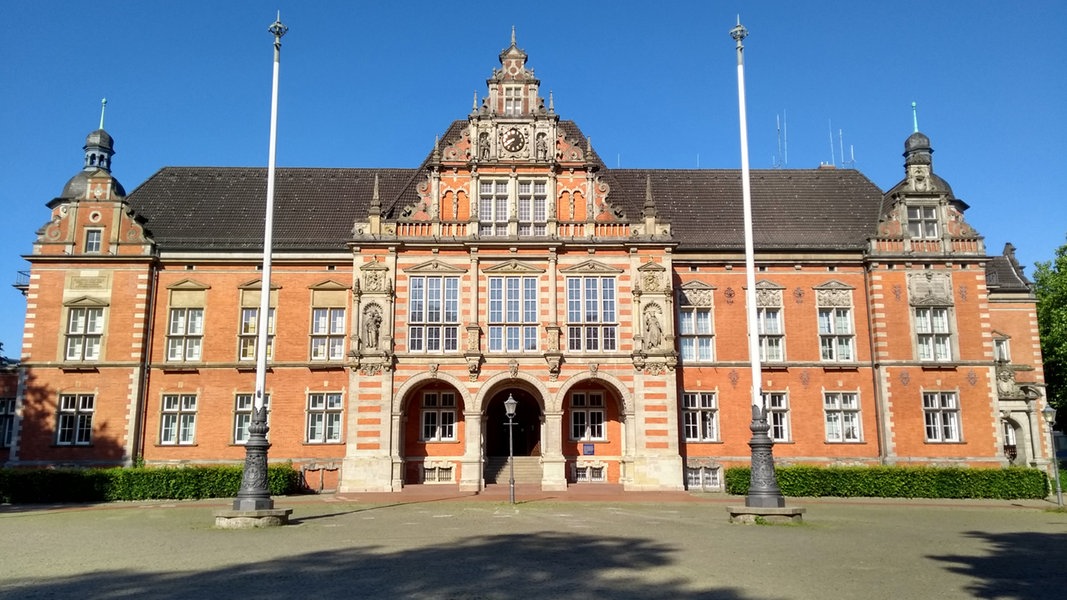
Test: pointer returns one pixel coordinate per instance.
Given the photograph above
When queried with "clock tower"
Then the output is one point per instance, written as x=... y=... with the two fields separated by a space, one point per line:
x=512 y=124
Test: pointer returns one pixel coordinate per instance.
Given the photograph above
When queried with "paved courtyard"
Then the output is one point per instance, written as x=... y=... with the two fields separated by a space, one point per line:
x=439 y=546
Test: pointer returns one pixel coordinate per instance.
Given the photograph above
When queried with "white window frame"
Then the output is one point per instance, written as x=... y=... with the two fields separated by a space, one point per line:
x=185 y=335
x=777 y=405
x=74 y=419
x=248 y=336
x=841 y=414
x=243 y=405
x=177 y=422
x=94 y=241
x=941 y=417
x=438 y=418
x=513 y=318
x=493 y=205
x=1001 y=350
x=836 y=336
x=592 y=314
x=771 y=333
x=708 y=479
x=700 y=416
x=327 y=333
x=325 y=418
x=933 y=333
x=696 y=333
x=433 y=314
x=588 y=417
x=590 y=473
x=532 y=207
x=85 y=333
x=923 y=223
x=7 y=421
x=512 y=100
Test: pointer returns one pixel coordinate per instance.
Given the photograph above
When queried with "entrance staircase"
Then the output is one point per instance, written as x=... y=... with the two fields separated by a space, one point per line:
x=527 y=469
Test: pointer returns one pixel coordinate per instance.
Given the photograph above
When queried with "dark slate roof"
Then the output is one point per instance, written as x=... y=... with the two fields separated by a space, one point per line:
x=222 y=208
x=1003 y=274
x=834 y=209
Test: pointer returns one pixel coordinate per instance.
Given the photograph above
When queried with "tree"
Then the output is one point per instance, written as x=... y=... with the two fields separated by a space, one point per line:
x=1050 y=285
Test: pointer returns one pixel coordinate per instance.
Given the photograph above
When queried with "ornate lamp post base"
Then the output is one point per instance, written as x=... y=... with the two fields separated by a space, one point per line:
x=253 y=506
x=764 y=503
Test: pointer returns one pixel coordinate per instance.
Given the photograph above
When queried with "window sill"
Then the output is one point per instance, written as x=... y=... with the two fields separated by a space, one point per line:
x=326 y=366
x=180 y=368
x=161 y=445
x=71 y=368
x=251 y=368
x=937 y=366
x=840 y=366
x=439 y=441
x=703 y=441
x=337 y=443
x=773 y=366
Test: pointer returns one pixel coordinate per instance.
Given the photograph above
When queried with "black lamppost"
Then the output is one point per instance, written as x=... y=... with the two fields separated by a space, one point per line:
x=1049 y=414
x=509 y=408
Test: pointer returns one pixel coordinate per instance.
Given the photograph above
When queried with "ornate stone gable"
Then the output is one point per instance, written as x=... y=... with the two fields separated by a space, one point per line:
x=930 y=288
x=434 y=266
x=768 y=294
x=833 y=293
x=591 y=267
x=512 y=267
x=652 y=277
x=696 y=293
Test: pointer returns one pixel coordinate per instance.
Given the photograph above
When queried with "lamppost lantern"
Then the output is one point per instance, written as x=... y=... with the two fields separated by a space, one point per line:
x=509 y=408
x=1049 y=414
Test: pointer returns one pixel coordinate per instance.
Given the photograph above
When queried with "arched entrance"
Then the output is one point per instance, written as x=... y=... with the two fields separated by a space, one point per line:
x=527 y=425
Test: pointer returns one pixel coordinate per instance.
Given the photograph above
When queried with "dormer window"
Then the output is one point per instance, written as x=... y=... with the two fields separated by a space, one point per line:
x=93 y=241
x=512 y=101
x=922 y=222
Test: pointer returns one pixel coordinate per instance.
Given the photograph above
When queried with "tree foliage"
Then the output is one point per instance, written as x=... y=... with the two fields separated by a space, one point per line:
x=1050 y=285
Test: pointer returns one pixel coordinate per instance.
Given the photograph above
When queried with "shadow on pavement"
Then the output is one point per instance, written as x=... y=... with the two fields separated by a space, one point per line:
x=1022 y=566
x=543 y=565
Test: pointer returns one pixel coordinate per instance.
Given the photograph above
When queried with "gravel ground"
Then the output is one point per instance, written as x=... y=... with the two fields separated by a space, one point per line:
x=346 y=547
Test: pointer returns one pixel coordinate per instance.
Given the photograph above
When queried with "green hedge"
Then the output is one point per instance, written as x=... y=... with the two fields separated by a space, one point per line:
x=139 y=483
x=900 y=482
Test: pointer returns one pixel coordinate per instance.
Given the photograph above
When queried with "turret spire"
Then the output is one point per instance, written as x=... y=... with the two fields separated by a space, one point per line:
x=103 y=107
x=914 y=118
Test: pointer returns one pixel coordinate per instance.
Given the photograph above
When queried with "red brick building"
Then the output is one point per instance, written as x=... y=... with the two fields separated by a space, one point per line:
x=408 y=304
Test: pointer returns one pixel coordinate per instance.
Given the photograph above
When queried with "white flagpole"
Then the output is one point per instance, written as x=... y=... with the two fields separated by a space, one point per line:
x=739 y=33
x=263 y=320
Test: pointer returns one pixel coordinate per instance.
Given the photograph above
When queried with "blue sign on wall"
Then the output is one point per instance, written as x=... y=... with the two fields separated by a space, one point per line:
x=587 y=449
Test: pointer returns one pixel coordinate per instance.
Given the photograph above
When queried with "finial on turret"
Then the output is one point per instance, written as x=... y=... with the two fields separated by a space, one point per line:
x=475 y=105
x=914 y=118
x=551 y=102
x=103 y=107
x=512 y=35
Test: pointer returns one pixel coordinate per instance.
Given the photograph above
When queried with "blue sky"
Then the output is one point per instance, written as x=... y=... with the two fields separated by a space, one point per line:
x=369 y=84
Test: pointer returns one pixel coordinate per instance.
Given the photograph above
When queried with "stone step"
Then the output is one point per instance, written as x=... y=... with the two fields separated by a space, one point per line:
x=527 y=469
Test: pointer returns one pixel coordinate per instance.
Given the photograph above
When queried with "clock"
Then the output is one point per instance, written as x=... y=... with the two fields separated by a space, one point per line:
x=513 y=140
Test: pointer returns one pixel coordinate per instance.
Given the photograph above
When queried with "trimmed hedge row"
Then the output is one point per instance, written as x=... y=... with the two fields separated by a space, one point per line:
x=138 y=483
x=900 y=482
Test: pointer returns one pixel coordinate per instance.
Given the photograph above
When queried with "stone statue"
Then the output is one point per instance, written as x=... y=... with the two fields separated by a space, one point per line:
x=542 y=147
x=483 y=145
x=1006 y=387
x=653 y=331
x=372 y=324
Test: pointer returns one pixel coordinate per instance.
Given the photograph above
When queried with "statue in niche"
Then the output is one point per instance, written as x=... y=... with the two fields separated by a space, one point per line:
x=483 y=145
x=542 y=147
x=653 y=331
x=372 y=325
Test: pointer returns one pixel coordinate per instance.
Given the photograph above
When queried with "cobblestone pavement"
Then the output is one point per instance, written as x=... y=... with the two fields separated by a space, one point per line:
x=597 y=544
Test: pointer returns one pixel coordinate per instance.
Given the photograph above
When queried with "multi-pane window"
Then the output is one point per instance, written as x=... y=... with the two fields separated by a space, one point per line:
x=178 y=425
x=696 y=334
x=7 y=421
x=941 y=413
x=533 y=207
x=327 y=333
x=433 y=314
x=699 y=414
x=513 y=314
x=703 y=478
x=243 y=406
x=587 y=416
x=835 y=335
x=94 y=241
x=512 y=101
x=589 y=473
x=1001 y=350
x=922 y=222
x=933 y=336
x=250 y=330
x=74 y=426
x=771 y=334
x=777 y=404
x=842 y=412
x=438 y=416
x=85 y=328
x=324 y=418
x=591 y=313
x=493 y=207
x=185 y=334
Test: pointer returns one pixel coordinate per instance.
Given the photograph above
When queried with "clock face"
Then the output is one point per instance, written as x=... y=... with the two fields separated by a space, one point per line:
x=513 y=140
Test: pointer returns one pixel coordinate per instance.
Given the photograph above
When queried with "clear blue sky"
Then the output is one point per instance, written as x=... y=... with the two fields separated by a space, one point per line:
x=369 y=84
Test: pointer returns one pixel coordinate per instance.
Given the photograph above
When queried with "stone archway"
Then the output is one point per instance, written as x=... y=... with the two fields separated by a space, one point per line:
x=527 y=424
